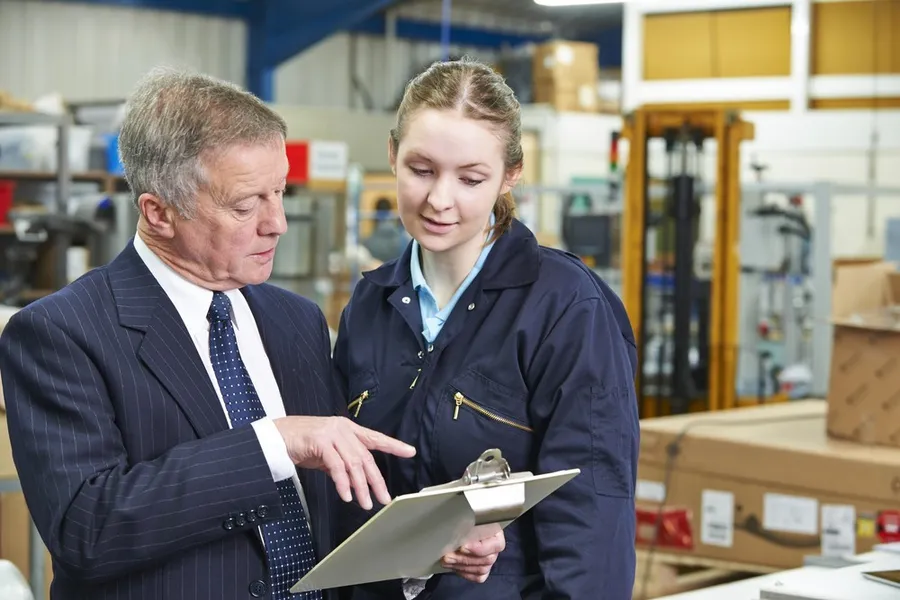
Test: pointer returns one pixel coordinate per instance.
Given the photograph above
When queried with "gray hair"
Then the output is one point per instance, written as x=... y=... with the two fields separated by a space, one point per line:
x=175 y=120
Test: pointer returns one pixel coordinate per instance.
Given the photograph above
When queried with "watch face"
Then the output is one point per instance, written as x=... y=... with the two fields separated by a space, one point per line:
x=889 y=577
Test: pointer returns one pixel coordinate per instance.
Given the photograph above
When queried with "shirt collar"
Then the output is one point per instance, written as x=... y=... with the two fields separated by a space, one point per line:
x=190 y=300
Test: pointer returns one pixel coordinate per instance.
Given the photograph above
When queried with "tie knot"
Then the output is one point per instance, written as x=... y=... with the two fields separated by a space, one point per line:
x=220 y=308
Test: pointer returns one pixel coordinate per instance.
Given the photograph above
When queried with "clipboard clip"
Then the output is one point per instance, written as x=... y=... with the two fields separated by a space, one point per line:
x=490 y=466
x=493 y=503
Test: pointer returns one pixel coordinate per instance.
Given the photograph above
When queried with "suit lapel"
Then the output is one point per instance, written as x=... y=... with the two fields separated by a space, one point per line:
x=167 y=349
x=288 y=365
x=293 y=374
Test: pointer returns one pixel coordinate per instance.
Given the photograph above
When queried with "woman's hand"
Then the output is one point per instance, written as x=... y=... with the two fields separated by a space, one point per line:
x=474 y=560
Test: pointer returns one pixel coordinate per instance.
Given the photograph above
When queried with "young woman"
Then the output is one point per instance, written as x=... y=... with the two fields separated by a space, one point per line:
x=478 y=338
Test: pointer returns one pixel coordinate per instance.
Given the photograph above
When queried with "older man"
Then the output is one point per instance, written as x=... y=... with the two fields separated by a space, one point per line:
x=160 y=406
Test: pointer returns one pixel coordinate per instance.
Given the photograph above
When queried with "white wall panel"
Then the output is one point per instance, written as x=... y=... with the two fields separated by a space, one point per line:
x=88 y=52
x=321 y=76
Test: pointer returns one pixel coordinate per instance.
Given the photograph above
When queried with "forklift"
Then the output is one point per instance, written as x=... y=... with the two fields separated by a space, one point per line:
x=683 y=303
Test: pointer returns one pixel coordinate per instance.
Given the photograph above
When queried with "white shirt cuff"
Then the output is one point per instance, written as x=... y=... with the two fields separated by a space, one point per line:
x=412 y=588
x=274 y=449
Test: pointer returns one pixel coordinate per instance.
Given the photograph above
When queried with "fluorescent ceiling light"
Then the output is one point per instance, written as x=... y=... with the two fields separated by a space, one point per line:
x=576 y=2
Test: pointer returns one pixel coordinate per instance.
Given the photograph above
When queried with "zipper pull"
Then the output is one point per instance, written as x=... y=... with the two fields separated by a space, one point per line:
x=413 y=384
x=458 y=398
x=359 y=404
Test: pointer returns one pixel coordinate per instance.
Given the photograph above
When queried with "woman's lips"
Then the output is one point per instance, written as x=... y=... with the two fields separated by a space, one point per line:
x=437 y=226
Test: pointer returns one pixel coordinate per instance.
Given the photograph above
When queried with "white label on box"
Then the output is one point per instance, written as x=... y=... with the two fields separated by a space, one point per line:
x=791 y=514
x=650 y=491
x=565 y=55
x=328 y=160
x=717 y=518
x=838 y=530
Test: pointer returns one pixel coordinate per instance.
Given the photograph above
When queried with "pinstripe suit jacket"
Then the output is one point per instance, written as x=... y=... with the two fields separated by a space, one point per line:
x=126 y=460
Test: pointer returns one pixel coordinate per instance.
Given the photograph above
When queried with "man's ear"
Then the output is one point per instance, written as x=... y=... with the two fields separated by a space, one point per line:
x=392 y=156
x=512 y=179
x=159 y=216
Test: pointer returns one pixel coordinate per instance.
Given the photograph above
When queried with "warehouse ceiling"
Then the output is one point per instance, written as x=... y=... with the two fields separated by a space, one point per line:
x=571 y=21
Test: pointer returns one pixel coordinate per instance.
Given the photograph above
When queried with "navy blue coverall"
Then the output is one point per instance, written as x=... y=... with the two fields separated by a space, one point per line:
x=537 y=359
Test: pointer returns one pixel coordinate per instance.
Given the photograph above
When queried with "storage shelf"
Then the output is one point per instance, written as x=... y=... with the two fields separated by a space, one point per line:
x=51 y=175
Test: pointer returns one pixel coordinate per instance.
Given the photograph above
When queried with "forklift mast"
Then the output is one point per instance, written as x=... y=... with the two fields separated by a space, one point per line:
x=686 y=327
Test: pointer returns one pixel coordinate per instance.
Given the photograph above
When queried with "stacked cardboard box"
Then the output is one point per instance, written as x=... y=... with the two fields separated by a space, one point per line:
x=864 y=386
x=566 y=75
x=763 y=486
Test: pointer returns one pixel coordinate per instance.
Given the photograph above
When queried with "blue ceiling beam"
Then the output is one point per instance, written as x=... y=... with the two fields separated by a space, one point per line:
x=278 y=30
x=610 y=43
x=430 y=31
x=308 y=26
x=236 y=9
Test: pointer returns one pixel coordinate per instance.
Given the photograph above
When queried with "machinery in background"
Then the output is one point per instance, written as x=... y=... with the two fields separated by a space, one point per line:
x=683 y=303
x=583 y=218
x=591 y=218
x=776 y=297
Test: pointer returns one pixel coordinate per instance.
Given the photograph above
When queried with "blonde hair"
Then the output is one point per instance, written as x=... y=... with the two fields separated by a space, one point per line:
x=479 y=93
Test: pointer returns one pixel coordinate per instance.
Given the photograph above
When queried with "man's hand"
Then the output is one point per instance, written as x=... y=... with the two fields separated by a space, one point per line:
x=474 y=560
x=341 y=448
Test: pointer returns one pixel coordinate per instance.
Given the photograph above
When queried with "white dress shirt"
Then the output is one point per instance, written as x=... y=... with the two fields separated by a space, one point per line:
x=192 y=303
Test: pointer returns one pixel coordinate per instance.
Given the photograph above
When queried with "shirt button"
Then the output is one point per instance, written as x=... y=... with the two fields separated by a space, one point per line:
x=421 y=354
x=405 y=300
x=431 y=347
x=472 y=306
x=258 y=588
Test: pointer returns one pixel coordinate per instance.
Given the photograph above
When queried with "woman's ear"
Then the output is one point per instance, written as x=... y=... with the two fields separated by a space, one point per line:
x=392 y=156
x=512 y=179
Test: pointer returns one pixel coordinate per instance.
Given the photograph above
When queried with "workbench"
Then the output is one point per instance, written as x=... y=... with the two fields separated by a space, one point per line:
x=815 y=581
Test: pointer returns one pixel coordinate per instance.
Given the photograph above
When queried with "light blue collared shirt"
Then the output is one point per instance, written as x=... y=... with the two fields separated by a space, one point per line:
x=433 y=319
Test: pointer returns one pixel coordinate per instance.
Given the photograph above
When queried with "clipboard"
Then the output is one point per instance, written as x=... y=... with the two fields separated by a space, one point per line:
x=408 y=537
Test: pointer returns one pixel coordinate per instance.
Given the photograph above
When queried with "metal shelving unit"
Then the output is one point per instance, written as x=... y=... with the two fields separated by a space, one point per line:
x=62 y=235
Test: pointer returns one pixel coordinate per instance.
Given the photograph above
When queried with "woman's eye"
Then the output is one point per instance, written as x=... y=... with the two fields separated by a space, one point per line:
x=420 y=172
x=471 y=182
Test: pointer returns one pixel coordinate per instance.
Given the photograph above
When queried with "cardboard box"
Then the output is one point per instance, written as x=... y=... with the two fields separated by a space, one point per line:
x=15 y=520
x=566 y=75
x=763 y=486
x=864 y=386
x=567 y=96
x=565 y=60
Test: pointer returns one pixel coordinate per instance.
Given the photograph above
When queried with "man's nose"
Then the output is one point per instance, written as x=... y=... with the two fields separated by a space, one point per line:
x=274 y=221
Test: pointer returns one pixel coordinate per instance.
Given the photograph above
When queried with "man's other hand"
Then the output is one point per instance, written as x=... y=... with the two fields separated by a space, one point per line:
x=474 y=560
x=343 y=449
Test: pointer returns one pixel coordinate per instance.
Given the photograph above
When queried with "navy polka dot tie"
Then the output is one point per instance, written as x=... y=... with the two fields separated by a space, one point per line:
x=288 y=541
